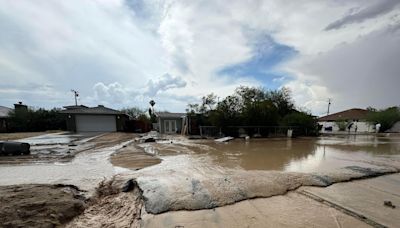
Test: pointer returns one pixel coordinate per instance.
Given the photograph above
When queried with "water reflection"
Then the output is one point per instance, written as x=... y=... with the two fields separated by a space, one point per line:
x=302 y=155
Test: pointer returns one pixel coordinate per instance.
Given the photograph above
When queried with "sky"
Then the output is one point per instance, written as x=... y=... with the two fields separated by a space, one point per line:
x=123 y=53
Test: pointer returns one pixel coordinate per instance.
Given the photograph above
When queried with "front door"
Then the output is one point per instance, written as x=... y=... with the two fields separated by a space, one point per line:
x=170 y=126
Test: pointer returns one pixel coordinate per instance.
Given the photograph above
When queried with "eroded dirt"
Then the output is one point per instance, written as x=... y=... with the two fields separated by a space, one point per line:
x=39 y=205
x=112 y=208
x=134 y=158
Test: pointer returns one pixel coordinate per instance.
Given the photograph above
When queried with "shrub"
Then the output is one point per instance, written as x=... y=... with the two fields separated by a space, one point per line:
x=386 y=117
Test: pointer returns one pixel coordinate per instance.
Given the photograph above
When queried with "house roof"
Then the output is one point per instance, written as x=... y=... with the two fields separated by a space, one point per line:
x=75 y=106
x=4 y=111
x=99 y=110
x=351 y=114
x=170 y=114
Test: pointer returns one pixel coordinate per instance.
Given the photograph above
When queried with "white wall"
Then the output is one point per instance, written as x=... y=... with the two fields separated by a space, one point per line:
x=361 y=127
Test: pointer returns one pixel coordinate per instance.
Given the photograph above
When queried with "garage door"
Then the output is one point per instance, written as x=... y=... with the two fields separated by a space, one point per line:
x=97 y=123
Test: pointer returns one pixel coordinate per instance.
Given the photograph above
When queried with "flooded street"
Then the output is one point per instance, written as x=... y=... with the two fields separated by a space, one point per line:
x=80 y=160
x=180 y=174
x=294 y=155
x=302 y=155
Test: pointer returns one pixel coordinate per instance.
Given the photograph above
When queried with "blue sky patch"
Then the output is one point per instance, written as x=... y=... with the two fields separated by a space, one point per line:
x=267 y=54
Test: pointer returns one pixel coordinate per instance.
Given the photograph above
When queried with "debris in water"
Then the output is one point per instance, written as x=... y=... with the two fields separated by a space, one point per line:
x=224 y=139
x=388 y=203
x=147 y=140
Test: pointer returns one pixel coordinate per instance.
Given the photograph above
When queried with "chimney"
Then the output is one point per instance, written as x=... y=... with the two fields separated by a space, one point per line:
x=20 y=107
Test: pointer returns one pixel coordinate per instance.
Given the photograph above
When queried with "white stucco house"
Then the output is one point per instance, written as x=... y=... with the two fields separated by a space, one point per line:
x=351 y=120
x=170 y=123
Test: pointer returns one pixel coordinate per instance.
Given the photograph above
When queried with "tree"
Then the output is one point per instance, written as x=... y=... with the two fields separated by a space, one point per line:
x=282 y=99
x=251 y=106
x=386 y=117
x=151 y=111
x=208 y=102
x=304 y=121
x=152 y=103
x=134 y=112
x=24 y=120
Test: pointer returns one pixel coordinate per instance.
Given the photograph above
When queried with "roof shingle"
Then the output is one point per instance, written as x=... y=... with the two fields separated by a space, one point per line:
x=5 y=112
x=351 y=114
x=99 y=110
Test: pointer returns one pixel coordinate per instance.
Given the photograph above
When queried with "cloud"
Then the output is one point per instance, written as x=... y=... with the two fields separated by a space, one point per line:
x=358 y=74
x=164 y=83
x=115 y=51
x=374 y=10
x=74 y=44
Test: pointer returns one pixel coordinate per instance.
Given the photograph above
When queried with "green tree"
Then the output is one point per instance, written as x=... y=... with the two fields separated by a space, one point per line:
x=134 y=112
x=36 y=120
x=386 y=117
x=305 y=122
x=342 y=124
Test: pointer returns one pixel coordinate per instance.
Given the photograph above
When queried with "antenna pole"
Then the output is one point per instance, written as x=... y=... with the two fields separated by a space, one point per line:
x=76 y=94
x=329 y=105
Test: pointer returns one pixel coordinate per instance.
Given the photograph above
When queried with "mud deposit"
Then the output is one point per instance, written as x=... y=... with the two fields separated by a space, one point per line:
x=39 y=205
x=132 y=157
x=186 y=193
x=112 y=208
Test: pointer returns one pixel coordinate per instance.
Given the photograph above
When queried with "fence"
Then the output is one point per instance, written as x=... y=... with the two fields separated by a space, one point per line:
x=252 y=131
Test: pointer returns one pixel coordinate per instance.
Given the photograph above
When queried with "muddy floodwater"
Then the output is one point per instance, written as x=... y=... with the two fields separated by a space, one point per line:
x=295 y=155
x=302 y=155
x=176 y=173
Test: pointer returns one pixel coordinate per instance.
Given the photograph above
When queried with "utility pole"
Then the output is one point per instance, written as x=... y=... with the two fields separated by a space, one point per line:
x=76 y=94
x=329 y=105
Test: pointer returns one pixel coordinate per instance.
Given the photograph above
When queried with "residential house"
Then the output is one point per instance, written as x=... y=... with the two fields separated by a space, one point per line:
x=170 y=123
x=353 y=120
x=4 y=115
x=94 y=119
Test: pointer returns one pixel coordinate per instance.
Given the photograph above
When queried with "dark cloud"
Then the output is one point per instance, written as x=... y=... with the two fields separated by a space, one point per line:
x=361 y=73
x=379 y=8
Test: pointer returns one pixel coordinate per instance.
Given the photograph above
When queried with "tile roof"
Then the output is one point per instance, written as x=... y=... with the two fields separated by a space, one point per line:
x=99 y=110
x=351 y=114
x=170 y=115
x=4 y=111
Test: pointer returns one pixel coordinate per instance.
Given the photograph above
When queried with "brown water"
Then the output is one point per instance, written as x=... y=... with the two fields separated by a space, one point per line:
x=300 y=155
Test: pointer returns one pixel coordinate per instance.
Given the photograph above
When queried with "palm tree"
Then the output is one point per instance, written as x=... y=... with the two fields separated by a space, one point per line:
x=151 y=110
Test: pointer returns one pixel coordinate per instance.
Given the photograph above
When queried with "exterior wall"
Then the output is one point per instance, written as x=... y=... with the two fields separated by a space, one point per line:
x=161 y=125
x=363 y=127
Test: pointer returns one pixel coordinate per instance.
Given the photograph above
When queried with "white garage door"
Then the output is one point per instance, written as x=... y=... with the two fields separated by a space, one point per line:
x=97 y=123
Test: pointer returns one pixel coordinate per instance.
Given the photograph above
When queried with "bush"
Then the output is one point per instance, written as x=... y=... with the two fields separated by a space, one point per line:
x=386 y=117
x=306 y=123
x=341 y=125
x=36 y=120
